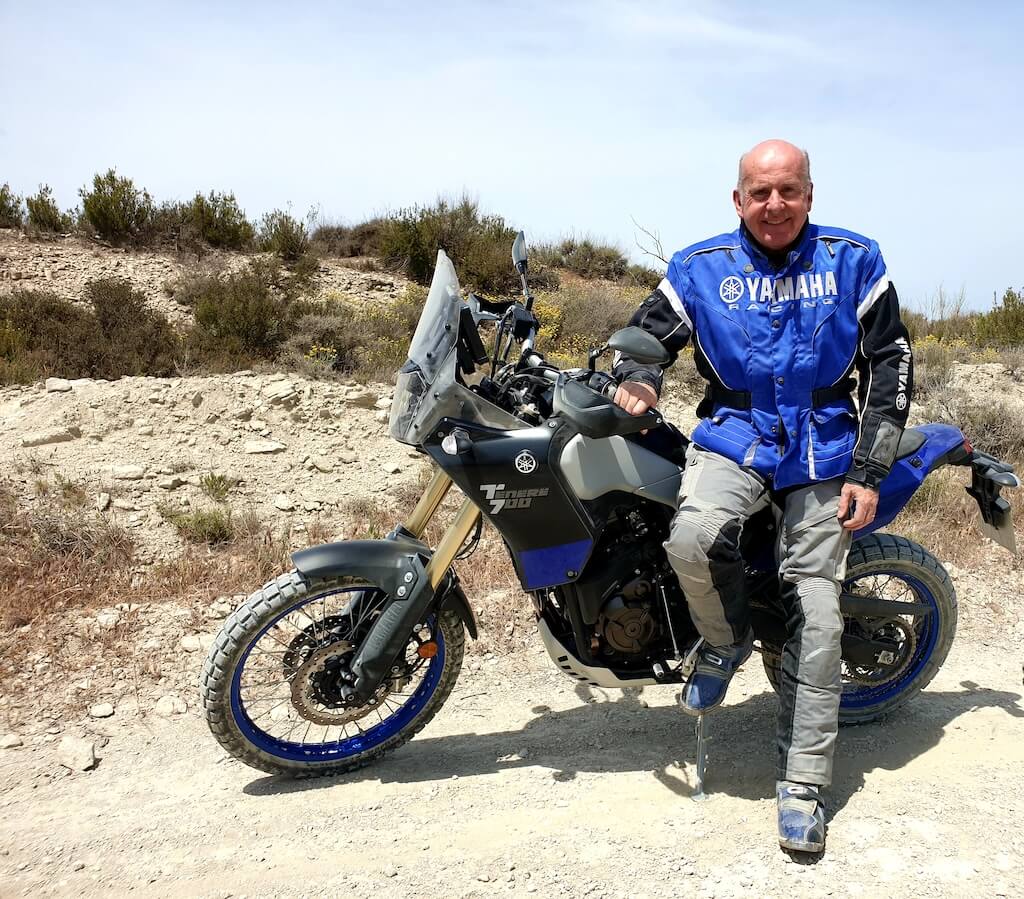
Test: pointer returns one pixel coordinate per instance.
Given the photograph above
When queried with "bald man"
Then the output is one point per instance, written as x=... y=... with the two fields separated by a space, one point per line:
x=781 y=313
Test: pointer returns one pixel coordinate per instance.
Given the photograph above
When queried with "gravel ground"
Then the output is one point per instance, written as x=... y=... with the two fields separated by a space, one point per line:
x=529 y=784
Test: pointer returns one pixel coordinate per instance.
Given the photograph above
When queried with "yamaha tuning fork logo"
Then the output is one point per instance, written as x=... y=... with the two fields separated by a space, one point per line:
x=526 y=463
x=731 y=289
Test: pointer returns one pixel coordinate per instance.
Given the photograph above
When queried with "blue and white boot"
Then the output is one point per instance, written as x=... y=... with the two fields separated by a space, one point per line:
x=706 y=686
x=801 y=817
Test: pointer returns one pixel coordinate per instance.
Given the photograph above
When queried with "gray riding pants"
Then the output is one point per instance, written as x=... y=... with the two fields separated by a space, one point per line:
x=715 y=498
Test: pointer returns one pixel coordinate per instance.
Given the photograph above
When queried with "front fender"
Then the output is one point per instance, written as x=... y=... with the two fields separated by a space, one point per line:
x=384 y=563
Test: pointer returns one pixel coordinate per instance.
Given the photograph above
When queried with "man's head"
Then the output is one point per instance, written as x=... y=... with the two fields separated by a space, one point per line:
x=774 y=192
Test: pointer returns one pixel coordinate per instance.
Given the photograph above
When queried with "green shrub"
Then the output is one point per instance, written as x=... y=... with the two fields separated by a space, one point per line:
x=348 y=241
x=214 y=527
x=137 y=340
x=11 y=215
x=479 y=245
x=367 y=342
x=644 y=276
x=584 y=257
x=219 y=222
x=1004 y=324
x=44 y=215
x=284 y=235
x=216 y=486
x=582 y=316
x=239 y=319
x=42 y=334
x=115 y=208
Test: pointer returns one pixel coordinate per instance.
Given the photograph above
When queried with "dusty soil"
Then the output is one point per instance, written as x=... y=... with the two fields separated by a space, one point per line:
x=528 y=784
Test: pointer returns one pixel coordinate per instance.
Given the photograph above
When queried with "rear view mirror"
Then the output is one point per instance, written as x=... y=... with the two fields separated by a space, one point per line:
x=639 y=345
x=519 y=253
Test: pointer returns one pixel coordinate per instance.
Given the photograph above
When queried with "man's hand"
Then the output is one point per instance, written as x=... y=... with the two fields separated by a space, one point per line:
x=634 y=397
x=857 y=506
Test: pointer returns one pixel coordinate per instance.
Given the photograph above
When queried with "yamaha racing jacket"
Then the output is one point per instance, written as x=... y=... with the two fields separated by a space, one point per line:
x=778 y=342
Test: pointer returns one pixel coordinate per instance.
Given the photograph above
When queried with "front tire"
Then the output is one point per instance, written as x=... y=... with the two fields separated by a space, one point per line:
x=262 y=644
x=890 y=565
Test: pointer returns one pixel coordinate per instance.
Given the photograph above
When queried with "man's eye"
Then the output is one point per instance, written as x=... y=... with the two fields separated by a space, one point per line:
x=759 y=194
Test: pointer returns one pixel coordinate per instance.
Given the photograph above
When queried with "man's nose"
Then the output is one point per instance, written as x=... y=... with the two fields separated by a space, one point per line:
x=775 y=200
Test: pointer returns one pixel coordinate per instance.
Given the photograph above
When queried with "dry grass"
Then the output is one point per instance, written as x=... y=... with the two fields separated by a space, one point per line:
x=946 y=521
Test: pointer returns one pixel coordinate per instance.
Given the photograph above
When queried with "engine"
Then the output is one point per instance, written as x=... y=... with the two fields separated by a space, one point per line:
x=629 y=621
x=617 y=604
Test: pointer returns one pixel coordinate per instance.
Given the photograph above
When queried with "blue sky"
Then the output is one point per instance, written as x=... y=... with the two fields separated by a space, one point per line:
x=573 y=117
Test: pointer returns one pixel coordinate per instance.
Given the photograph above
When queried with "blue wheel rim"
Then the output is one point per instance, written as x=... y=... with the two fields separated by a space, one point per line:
x=861 y=696
x=348 y=747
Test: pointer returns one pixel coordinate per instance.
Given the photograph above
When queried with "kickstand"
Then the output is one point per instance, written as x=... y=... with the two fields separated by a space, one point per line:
x=702 y=756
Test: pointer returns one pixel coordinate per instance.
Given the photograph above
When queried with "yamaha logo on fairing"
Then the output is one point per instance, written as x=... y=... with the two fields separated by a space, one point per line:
x=500 y=498
x=526 y=463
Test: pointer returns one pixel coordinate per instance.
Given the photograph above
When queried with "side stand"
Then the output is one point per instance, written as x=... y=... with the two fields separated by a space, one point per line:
x=702 y=753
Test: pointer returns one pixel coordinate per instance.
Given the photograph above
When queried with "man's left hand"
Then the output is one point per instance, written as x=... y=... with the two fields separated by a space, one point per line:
x=857 y=506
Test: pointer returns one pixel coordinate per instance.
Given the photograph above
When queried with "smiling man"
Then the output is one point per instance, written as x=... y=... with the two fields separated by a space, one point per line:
x=782 y=313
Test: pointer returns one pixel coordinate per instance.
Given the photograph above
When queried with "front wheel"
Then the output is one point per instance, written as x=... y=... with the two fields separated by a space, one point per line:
x=894 y=568
x=271 y=685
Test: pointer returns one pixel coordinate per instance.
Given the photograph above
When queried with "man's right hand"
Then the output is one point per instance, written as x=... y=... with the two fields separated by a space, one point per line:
x=634 y=397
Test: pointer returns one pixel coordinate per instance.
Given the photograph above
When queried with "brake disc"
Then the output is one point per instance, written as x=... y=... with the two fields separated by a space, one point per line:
x=904 y=639
x=307 y=695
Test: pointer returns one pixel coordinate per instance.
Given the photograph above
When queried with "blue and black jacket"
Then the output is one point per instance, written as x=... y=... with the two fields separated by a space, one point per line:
x=778 y=341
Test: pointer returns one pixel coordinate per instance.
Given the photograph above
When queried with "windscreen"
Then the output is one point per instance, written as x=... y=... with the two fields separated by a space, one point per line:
x=428 y=388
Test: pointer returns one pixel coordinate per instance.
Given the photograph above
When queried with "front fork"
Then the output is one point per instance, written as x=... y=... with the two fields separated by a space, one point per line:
x=456 y=535
x=390 y=632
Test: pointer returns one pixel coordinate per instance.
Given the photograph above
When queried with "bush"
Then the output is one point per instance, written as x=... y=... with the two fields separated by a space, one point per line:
x=42 y=334
x=582 y=316
x=284 y=235
x=43 y=214
x=115 y=209
x=11 y=215
x=136 y=339
x=368 y=343
x=479 y=245
x=1004 y=324
x=219 y=222
x=348 y=241
x=584 y=257
x=239 y=318
x=213 y=527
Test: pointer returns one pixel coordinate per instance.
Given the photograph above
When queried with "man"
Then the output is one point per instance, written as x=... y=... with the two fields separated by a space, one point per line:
x=781 y=312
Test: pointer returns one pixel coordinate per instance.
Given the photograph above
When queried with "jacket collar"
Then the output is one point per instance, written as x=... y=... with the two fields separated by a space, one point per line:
x=779 y=261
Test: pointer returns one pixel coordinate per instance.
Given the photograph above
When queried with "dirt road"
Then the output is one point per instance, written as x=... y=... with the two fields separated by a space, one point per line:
x=527 y=784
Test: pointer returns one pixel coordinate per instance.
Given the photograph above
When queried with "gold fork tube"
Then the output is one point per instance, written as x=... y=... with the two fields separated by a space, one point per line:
x=452 y=542
x=432 y=497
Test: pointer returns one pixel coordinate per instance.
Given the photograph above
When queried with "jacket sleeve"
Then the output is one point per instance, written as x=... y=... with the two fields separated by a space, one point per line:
x=664 y=315
x=886 y=368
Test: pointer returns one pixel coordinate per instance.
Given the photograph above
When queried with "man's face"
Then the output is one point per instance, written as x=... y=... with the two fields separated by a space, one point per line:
x=775 y=199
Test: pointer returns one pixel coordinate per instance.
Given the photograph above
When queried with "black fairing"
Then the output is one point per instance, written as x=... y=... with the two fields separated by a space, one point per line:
x=548 y=532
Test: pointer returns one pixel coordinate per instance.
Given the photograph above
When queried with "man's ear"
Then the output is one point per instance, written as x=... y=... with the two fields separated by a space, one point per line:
x=810 y=196
x=736 y=201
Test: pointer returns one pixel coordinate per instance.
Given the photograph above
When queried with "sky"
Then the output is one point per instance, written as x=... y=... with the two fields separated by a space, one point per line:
x=566 y=118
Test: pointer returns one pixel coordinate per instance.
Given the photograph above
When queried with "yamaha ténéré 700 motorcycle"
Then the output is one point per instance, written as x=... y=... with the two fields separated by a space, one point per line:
x=349 y=655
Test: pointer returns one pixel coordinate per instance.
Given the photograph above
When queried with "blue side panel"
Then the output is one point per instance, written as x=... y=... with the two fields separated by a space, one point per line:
x=548 y=566
x=908 y=474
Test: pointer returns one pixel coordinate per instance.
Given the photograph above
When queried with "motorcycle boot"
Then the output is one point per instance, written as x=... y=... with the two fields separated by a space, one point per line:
x=706 y=686
x=801 y=817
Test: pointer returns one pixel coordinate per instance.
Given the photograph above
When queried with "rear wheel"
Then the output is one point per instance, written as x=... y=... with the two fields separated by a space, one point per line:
x=272 y=683
x=892 y=568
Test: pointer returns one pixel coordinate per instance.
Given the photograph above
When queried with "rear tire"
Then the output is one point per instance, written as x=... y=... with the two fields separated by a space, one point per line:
x=902 y=560
x=223 y=695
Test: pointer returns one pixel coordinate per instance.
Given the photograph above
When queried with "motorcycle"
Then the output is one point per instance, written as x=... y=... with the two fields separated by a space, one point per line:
x=347 y=656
